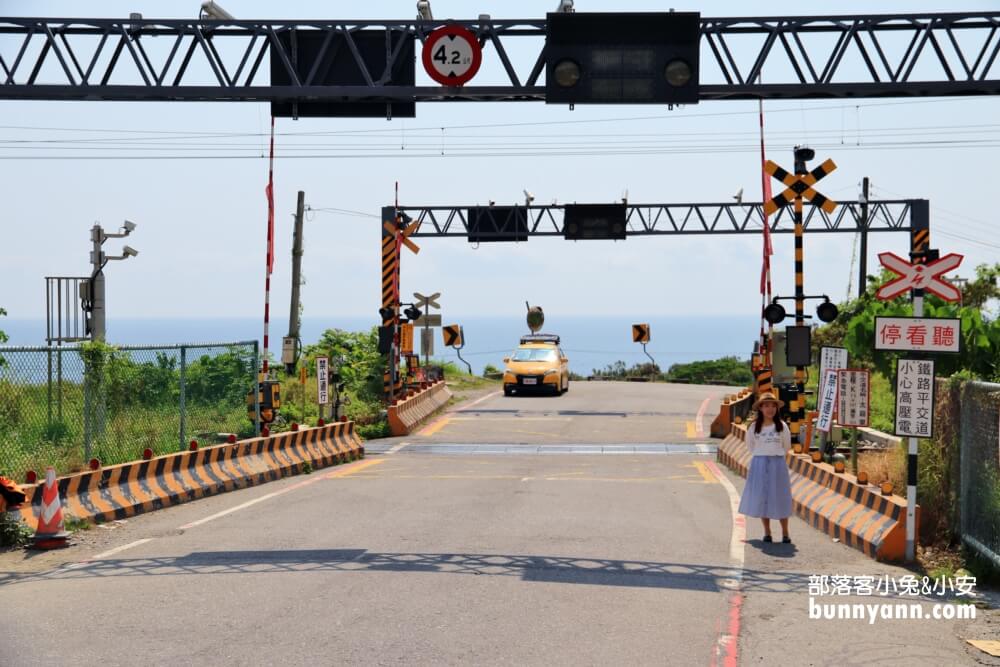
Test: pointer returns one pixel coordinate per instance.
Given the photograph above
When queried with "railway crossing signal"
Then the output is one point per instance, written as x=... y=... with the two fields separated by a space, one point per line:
x=919 y=276
x=799 y=186
x=640 y=333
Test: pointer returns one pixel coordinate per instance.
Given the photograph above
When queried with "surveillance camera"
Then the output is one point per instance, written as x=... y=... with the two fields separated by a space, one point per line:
x=565 y=7
x=424 y=10
x=129 y=251
x=129 y=226
x=528 y=197
x=210 y=10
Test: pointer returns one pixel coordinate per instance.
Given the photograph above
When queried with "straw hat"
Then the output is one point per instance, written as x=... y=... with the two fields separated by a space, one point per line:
x=768 y=397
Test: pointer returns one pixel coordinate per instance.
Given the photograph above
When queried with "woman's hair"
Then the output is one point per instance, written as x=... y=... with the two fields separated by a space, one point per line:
x=759 y=423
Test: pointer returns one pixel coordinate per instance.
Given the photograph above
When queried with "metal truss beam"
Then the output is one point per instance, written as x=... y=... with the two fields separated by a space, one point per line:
x=677 y=219
x=741 y=58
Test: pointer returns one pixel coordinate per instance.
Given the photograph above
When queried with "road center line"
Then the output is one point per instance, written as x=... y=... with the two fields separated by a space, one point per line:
x=725 y=652
x=344 y=471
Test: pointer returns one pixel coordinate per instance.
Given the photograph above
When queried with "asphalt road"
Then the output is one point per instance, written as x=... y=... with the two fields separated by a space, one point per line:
x=467 y=557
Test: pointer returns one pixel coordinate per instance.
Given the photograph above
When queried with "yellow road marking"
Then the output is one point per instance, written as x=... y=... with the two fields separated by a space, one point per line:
x=705 y=472
x=434 y=427
x=357 y=467
x=690 y=430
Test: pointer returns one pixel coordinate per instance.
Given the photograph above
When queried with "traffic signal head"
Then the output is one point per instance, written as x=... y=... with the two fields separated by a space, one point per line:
x=774 y=313
x=826 y=312
x=622 y=58
x=412 y=313
x=387 y=313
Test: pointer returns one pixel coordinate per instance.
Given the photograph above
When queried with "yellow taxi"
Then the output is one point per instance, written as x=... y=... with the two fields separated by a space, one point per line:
x=538 y=364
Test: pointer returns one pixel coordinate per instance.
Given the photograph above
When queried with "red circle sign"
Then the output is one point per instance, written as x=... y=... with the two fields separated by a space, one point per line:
x=452 y=55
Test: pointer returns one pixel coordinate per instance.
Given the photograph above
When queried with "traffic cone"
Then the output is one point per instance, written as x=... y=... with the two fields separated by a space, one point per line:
x=51 y=532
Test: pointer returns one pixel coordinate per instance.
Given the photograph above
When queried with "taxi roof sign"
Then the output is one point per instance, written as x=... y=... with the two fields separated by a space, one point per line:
x=539 y=338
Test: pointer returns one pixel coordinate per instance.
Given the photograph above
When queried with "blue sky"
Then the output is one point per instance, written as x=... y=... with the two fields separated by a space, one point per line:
x=202 y=222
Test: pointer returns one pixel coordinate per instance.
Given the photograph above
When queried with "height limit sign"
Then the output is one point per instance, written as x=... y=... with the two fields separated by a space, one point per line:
x=452 y=55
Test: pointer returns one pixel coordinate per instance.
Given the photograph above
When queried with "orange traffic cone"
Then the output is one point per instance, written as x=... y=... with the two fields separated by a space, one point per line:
x=51 y=533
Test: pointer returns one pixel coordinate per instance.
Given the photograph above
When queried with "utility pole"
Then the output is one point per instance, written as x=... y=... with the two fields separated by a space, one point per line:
x=863 y=264
x=294 y=320
x=97 y=295
x=94 y=294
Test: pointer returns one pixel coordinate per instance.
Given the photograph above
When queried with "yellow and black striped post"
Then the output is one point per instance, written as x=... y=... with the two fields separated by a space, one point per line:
x=390 y=300
x=799 y=187
x=395 y=235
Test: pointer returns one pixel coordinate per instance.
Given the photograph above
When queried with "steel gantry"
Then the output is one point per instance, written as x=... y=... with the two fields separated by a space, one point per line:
x=496 y=222
x=741 y=58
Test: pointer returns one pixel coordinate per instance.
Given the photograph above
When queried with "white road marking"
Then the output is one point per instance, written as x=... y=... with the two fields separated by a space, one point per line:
x=339 y=472
x=479 y=400
x=124 y=547
x=396 y=448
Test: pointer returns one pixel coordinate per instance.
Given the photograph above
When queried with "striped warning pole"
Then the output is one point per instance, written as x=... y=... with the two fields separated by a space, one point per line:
x=390 y=267
x=397 y=387
x=269 y=191
x=798 y=404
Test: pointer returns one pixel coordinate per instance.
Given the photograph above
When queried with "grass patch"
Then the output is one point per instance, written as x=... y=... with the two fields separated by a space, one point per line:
x=73 y=524
x=13 y=532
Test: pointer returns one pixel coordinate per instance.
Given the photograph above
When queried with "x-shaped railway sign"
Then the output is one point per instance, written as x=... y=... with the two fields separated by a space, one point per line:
x=919 y=276
x=799 y=186
x=429 y=301
x=404 y=234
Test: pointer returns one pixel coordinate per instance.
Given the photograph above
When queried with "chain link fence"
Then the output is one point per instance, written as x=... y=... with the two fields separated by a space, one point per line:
x=980 y=468
x=62 y=406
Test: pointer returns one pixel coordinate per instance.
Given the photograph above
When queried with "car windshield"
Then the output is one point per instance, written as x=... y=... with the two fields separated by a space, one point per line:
x=534 y=355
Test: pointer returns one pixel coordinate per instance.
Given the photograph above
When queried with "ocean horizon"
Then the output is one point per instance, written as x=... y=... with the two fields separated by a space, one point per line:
x=589 y=342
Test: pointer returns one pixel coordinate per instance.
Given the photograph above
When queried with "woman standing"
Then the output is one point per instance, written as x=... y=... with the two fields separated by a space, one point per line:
x=768 y=493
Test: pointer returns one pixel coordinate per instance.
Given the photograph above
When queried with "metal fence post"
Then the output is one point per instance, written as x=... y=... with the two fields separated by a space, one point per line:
x=87 y=417
x=59 y=383
x=48 y=387
x=183 y=437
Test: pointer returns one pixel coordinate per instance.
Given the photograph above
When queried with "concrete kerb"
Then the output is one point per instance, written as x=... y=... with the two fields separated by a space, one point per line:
x=856 y=514
x=122 y=491
x=407 y=414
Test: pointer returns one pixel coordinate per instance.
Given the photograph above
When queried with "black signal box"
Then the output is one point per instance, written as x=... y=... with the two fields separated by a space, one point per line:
x=622 y=58
x=584 y=222
x=318 y=62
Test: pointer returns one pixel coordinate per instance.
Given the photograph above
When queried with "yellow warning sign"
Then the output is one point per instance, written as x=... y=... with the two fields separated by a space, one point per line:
x=452 y=335
x=406 y=338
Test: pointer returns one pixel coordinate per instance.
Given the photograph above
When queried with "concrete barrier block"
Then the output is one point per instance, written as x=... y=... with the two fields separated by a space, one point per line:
x=122 y=491
x=409 y=413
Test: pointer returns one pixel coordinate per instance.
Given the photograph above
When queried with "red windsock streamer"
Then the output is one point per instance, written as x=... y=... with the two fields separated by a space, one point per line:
x=269 y=191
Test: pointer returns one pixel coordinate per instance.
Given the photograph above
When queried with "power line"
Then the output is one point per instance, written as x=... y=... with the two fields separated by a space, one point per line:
x=476 y=152
x=439 y=128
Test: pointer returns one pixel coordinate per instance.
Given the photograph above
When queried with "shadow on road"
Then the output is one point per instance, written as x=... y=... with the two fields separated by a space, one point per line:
x=556 y=569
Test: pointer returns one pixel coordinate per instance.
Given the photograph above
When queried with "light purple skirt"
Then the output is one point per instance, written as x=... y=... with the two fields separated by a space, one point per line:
x=767 y=493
